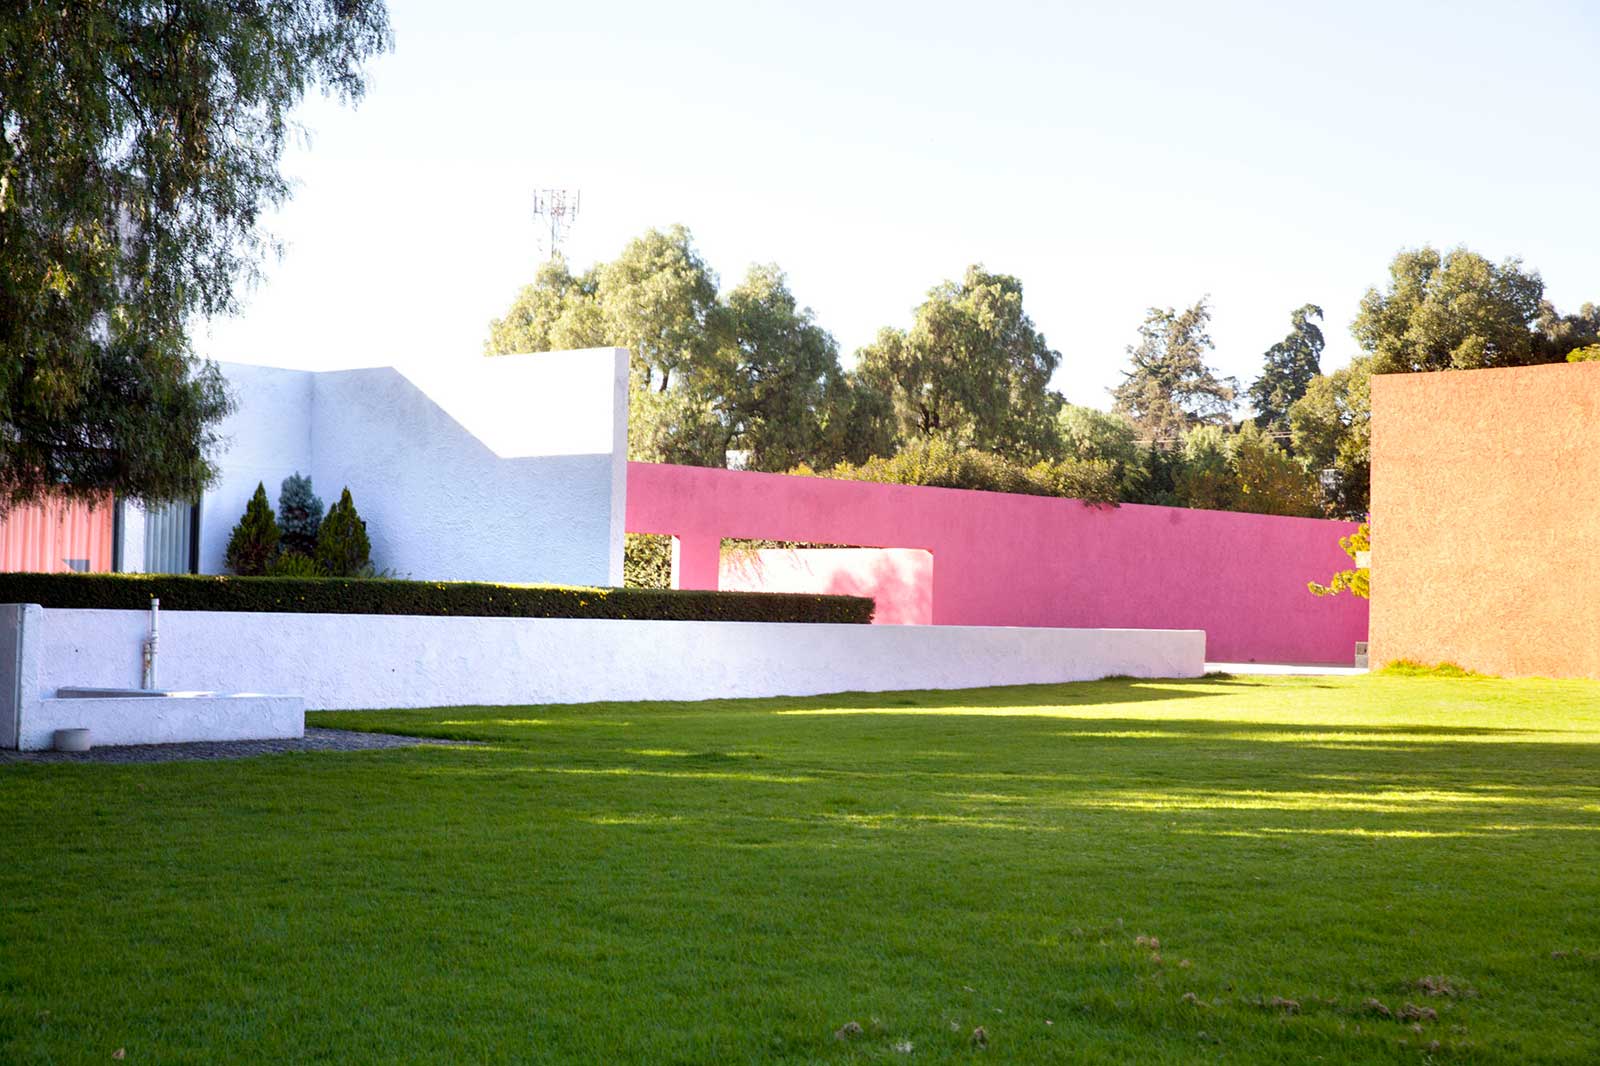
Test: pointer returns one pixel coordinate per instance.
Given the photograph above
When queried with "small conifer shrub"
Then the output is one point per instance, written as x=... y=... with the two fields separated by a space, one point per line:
x=253 y=544
x=299 y=515
x=343 y=549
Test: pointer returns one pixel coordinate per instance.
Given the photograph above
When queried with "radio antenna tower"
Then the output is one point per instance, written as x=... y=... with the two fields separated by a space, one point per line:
x=557 y=210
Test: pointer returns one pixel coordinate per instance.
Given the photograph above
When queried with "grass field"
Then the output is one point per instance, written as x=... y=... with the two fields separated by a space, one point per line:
x=1379 y=869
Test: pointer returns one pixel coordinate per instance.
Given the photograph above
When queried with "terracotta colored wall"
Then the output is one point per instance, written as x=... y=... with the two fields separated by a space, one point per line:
x=899 y=580
x=1486 y=519
x=40 y=538
x=1002 y=559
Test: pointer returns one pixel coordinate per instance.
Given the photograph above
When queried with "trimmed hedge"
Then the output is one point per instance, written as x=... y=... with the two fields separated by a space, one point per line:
x=329 y=595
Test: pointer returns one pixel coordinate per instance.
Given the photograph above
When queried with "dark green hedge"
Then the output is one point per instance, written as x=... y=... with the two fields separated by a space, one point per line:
x=327 y=595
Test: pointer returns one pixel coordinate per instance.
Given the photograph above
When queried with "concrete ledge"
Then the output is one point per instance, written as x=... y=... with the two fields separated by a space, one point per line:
x=164 y=719
x=342 y=661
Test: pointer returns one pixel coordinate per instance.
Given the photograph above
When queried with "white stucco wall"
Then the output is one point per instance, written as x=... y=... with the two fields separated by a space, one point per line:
x=376 y=661
x=510 y=468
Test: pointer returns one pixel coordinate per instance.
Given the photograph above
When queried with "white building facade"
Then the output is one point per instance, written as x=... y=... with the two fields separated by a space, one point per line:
x=508 y=469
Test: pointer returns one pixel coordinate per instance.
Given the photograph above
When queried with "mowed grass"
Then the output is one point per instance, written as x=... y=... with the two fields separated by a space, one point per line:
x=1223 y=870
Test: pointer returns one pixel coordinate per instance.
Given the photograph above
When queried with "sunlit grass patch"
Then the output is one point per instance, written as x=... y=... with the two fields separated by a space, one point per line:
x=1396 y=868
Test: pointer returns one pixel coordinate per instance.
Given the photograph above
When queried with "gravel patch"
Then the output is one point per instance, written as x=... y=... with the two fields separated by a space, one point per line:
x=316 y=739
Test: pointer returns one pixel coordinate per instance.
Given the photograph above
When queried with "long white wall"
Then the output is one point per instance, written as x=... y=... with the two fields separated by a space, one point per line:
x=375 y=661
x=510 y=468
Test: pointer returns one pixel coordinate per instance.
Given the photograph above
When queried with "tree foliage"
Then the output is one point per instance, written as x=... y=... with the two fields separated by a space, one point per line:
x=139 y=145
x=343 y=548
x=1455 y=311
x=299 y=515
x=1357 y=580
x=253 y=544
x=1169 y=388
x=1287 y=370
x=972 y=369
x=944 y=463
x=1332 y=431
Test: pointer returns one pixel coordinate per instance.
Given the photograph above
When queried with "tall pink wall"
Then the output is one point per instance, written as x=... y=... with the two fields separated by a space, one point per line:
x=1001 y=559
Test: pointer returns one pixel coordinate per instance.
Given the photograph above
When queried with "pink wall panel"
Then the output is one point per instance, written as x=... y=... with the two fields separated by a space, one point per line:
x=900 y=580
x=41 y=537
x=1001 y=559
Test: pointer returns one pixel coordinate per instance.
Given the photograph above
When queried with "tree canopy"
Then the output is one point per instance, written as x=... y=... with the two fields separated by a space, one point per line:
x=1169 y=388
x=1455 y=311
x=972 y=367
x=1287 y=370
x=139 y=146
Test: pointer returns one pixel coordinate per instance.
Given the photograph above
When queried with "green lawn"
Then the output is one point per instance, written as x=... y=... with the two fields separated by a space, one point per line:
x=735 y=881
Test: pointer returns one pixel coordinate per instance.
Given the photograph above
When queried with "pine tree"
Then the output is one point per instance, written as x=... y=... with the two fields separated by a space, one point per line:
x=299 y=515
x=342 y=545
x=254 y=541
x=1287 y=371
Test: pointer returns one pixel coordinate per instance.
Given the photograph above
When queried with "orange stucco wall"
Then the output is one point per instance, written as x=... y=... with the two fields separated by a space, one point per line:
x=1486 y=519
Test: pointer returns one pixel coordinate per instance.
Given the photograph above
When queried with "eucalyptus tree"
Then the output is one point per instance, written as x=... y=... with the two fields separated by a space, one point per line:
x=140 y=144
x=972 y=368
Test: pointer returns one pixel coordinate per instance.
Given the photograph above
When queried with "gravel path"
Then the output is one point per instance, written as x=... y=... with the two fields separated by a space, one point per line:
x=316 y=739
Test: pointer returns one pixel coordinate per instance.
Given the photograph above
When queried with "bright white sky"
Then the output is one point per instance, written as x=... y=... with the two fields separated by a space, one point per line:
x=1113 y=155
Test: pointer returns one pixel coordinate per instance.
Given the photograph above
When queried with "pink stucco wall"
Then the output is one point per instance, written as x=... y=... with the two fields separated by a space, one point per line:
x=899 y=580
x=1001 y=559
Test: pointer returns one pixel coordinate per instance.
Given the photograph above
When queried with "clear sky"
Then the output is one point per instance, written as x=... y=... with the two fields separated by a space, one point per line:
x=1113 y=156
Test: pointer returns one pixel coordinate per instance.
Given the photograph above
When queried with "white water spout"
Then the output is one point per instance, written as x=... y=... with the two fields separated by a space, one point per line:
x=151 y=643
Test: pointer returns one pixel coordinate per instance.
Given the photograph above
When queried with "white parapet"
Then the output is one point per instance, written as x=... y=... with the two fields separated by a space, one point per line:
x=343 y=661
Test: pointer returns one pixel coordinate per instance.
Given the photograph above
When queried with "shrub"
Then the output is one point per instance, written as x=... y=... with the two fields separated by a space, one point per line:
x=647 y=561
x=299 y=515
x=192 y=592
x=941 y=463
x=254 y=541
x=294 y=564
x=343 y=549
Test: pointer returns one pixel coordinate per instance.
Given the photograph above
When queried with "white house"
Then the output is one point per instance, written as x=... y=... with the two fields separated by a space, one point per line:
x=510 y=468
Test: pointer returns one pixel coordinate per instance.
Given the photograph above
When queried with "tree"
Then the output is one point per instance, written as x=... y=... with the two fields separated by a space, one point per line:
x=1170 y=388
x=659 y=300
x=139 y=145
x=1358 y=580
x=1589 y=354
x=1457 y=311
x=556 y=312
x=771 y=374
x=1332 y=433
x=1561 y=335
x=299 y=515
x=343 y=549
x=253 y=544
x=943 y=463
x=1269 y=480
x=1090 y=435
x=1206 y=477
x=972 y=369
x=1288 y=369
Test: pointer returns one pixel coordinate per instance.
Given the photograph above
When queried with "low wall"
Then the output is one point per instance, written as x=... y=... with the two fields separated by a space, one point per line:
x=381 y=661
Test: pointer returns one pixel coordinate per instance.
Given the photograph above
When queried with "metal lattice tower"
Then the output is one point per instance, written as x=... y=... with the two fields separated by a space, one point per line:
x=555 y=210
